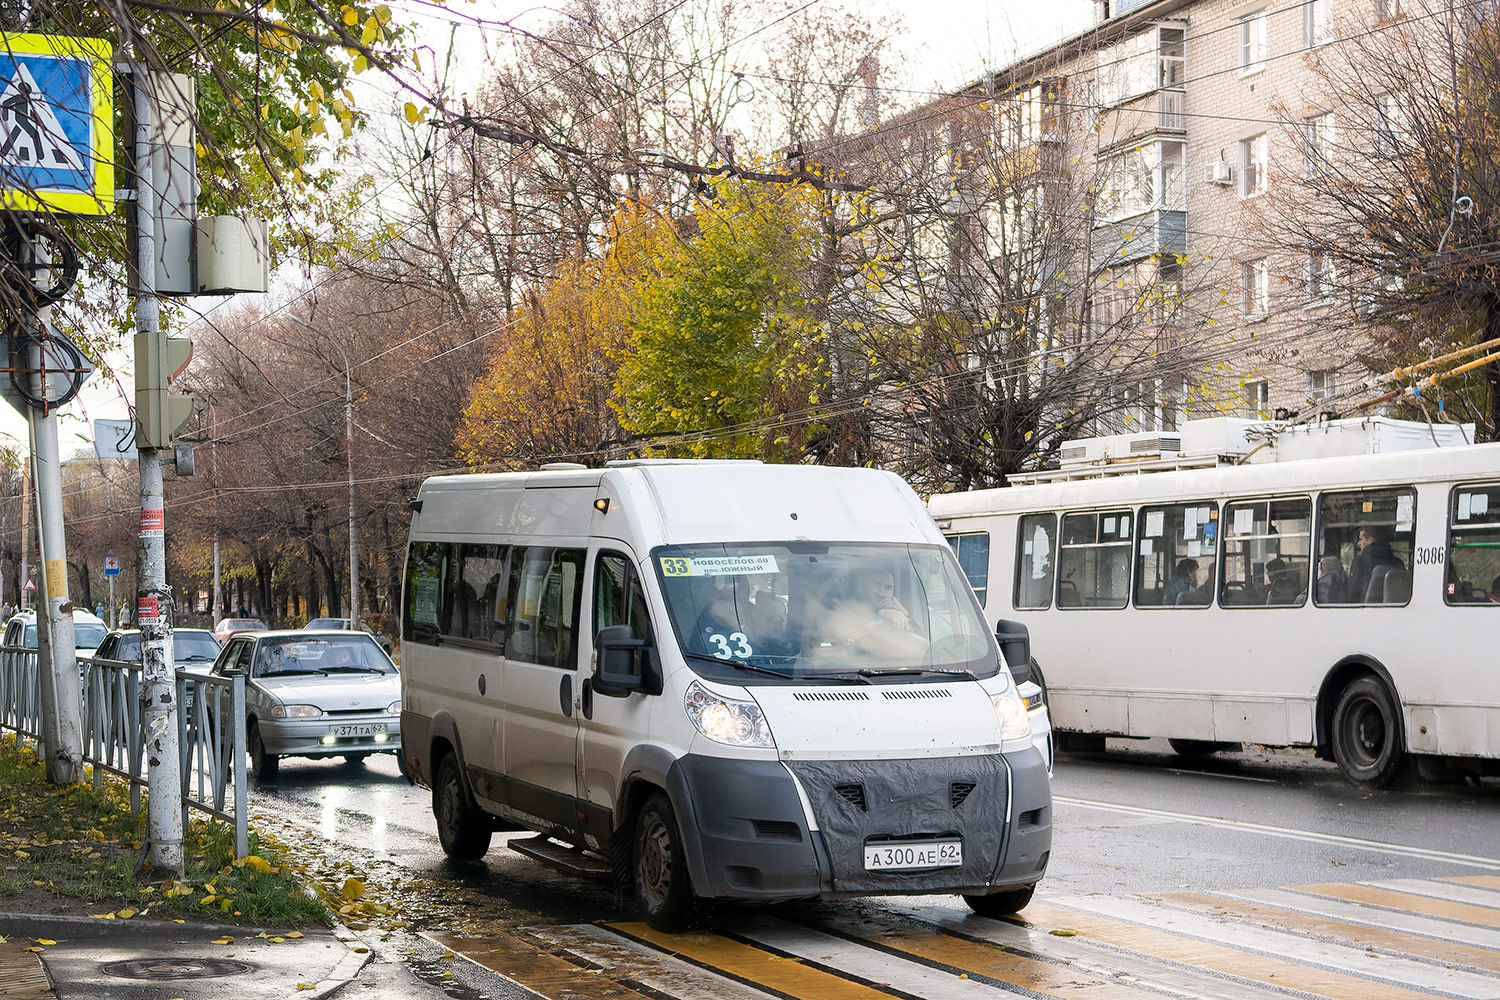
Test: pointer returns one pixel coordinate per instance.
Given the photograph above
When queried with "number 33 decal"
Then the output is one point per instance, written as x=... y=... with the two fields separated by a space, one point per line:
x=741 y=648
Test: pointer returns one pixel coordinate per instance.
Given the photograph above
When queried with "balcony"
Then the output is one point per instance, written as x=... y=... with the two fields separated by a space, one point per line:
x=1140 y=236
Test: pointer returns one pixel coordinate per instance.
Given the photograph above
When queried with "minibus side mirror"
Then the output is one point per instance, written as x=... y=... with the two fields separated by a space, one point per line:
x=1015 y=647
x=625 y=664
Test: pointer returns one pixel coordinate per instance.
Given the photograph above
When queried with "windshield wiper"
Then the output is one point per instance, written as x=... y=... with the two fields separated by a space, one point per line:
x=740 y=665
x=915 y=672
x=195 y=657
x=345 y=668
x=288 y=672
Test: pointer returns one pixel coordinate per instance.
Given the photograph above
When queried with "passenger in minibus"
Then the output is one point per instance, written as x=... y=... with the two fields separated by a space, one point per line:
x=1286 y=585
x=1333 y=583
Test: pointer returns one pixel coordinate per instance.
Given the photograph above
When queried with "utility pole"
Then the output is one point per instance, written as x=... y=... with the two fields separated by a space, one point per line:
x=164 y=826
x=57 y=655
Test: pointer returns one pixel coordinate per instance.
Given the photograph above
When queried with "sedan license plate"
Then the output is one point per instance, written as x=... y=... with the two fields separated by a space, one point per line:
x=363 y=729
x=913 y=854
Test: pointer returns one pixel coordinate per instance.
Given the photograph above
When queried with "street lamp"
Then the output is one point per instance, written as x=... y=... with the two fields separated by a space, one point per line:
x=349 y=450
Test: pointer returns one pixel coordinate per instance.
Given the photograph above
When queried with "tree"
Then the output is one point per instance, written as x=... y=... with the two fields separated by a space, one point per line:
x=1401 y=143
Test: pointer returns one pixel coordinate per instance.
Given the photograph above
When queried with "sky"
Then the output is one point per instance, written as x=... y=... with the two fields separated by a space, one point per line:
x=949 y=43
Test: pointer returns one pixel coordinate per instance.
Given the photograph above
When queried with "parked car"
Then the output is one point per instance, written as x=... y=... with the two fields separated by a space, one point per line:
x=88 y=631
x=343 y=623
x=314 y=694
x=233 y=626
x=193 y=650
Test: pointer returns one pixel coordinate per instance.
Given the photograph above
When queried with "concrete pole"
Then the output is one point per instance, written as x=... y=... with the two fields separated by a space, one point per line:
x=57 y=656
x=25 y=529
x=153 y=611
x=353 y=534
x=217 y=612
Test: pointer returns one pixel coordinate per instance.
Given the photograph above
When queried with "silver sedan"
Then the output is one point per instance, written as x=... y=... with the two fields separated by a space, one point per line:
x=314 y=694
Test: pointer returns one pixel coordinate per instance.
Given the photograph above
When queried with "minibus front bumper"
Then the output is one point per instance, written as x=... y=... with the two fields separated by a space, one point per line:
x=747 y=837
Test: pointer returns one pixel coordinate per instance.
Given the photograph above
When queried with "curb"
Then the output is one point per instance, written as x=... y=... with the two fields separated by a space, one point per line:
x=346 y=969
x=33 y=925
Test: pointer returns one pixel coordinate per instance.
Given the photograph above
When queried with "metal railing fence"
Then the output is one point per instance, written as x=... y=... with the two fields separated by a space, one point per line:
x=210 y=730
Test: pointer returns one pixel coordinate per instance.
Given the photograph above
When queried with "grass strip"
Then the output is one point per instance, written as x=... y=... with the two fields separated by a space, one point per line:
x=75 y=849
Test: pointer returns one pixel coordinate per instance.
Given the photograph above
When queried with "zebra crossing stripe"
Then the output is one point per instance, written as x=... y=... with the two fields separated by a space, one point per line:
x=545 y=975
x=1406 y=902
x=1486 y=881
x=630 y=961
x=1373 y=916
x=788 y=977
x=1441 y=890
x=1356 y=934
x=1216 y=957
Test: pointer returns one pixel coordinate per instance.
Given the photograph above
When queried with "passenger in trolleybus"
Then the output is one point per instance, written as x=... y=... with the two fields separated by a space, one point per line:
x=1374 y=550
x=1184 y=582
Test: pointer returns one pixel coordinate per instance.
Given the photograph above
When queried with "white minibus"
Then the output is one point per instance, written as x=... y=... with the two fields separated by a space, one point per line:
x=717 y=680
x=1349 y=604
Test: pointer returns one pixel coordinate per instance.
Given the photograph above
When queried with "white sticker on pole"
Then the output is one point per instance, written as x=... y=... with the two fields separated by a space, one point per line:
x=152 y=522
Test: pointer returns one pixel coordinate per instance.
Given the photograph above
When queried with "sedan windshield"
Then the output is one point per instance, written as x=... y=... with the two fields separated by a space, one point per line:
x=355 y=654
x=860 y=610
x=194 y=647
x=87 y=635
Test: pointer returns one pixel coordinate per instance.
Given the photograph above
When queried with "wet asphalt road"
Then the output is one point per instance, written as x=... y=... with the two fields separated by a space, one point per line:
x=1137 y=819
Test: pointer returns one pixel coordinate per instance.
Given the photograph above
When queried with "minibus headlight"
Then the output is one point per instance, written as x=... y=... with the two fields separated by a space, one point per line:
x=1015 y=723
x=726 y=720
x=296 y=711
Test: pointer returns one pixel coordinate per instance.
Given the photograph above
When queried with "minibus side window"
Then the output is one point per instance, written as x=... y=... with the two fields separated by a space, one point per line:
x=973 y=552
x=618 y=597
x=544 y=594
x=1474 y=546
x=1035 y=561
x=1267 y=553
x=1093 y=563
x=1176 y=553
x=1365 y=547
x=424 y=591
x=478 y=609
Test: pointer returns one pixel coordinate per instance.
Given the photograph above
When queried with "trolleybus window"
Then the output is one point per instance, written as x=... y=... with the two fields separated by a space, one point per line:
x=1093 y=563
x=1473 y=546
x=973 y=553
x=1267 y=553
x=1034 y=561
x=1365 y=547
x=1176 y=552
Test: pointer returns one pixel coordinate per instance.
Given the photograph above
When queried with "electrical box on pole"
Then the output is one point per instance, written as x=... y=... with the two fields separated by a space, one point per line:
x=174 y=172
x=160 y=413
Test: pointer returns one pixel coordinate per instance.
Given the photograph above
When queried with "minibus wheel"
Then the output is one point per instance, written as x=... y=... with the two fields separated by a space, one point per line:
x=462 y=831
x=263 y=764
x=1367 y=733
x=659 y=867
x=1001 y=904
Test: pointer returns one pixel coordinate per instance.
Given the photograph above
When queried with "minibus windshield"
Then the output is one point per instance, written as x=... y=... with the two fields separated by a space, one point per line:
x=872 y=612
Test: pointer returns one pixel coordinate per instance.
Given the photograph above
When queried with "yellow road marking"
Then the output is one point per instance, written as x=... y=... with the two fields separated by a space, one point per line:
x=547 y=975
x=1205 y=955
x=995 y=962
x=1354 y=934
x=1406 y=901
x=1482 y=881
x=784 y=975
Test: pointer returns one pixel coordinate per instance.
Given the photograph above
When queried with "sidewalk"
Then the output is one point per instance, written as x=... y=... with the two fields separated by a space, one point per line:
x=96 y=959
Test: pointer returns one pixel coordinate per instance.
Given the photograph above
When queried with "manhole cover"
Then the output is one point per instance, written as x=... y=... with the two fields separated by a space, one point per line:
x=175 y=968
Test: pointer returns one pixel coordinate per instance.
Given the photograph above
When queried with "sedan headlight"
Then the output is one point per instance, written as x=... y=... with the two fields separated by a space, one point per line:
x=394 y=708
x=1015 y=724
x=726 y=720
x=296 y=711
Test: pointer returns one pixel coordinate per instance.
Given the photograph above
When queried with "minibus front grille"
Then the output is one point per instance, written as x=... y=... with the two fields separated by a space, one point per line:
x=830 y=696
x=909 y=693
x=852 y=794
x=958 y=791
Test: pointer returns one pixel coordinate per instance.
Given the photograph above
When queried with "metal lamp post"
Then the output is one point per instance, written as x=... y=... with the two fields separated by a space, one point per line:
x=349 y=456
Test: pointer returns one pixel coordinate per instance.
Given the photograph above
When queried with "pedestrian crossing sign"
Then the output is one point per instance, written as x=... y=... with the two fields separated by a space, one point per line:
x=56 y=124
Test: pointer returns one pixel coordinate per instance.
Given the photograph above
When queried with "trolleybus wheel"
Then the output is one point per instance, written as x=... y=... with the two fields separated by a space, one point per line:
x=1367 y=733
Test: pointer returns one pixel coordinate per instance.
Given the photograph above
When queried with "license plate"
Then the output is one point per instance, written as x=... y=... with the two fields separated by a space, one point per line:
x=914 y=854
x=363 y=729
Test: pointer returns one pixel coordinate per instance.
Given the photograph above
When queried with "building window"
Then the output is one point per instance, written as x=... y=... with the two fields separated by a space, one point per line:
x=1255 y=289
x=1146 y=177
x=1129 y=409
x=1252 y=44
x=1390 y=125
x=1319 y=387
x=1317 y=22
x=1254 y=153
x=1387 y=10
x=1173 y=64
x=1319 y=134
x=1321 y=279
x=1258 y=400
